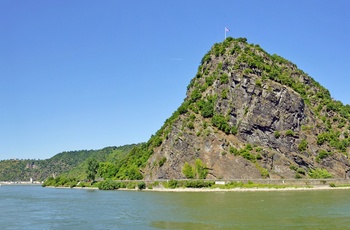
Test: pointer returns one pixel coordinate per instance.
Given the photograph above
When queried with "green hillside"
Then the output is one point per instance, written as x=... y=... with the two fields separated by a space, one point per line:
x=23 y=170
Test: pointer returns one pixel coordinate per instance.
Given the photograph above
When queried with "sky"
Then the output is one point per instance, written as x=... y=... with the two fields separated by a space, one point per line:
x=89 y=74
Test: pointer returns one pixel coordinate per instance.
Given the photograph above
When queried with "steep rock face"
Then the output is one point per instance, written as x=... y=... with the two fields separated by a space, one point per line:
x=249 y=114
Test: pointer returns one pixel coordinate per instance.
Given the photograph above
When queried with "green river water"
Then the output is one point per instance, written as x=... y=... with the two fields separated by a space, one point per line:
x=34 y=207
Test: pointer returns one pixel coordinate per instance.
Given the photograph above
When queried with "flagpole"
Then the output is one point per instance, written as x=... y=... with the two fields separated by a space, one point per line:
x=226 y=30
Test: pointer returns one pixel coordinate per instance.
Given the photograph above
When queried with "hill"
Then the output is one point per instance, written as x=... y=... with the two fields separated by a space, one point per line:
x=249 y=114
x=70 y=161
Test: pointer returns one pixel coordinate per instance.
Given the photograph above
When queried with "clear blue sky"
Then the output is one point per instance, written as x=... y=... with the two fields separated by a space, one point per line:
x=89 y=74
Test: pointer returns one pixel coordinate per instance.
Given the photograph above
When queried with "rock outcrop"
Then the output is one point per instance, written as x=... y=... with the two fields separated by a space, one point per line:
x=249 y=114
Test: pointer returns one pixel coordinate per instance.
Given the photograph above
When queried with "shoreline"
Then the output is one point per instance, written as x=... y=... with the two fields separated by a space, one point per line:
x=5 y=183
x=194 y=190
x=159 y=189
x=310 y=185
x=318 y=188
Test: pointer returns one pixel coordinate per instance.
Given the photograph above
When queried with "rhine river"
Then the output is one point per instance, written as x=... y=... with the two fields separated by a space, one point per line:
x=34 y=207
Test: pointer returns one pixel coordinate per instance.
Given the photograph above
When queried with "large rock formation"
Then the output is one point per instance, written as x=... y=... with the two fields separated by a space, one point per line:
x=249 y=114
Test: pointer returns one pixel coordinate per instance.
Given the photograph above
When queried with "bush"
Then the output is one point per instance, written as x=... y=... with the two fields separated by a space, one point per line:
x=187 y=171
x=224 y=79
x=198 y=184
x=277 y=134
x=162 y=161
x=201 y=169
x=247 y=155
x=319 y=173
x=210 y=80
x=303 y=145
x=172 y=184
x=207 y=107
x=195 y=95
x=221 y=123
x=233 y=150
x=301 y=171
x=234 y=130
x=290 y=133
x=322 y=154
x=108 y=185
x=258 y=83
x=321 y=138
x=141 y=185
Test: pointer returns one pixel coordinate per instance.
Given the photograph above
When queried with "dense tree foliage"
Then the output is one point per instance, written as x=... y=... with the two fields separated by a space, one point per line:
x=72 y=164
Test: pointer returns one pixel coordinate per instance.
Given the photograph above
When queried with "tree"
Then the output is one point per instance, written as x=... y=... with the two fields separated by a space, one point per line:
x=201 y=169
x=92 y=167
x=187 y=171
x=107 y=170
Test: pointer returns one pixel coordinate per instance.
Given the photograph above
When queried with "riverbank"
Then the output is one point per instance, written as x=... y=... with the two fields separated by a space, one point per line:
x=241 y=189
x=162 y=189
x=20 y=183
x=208 y=186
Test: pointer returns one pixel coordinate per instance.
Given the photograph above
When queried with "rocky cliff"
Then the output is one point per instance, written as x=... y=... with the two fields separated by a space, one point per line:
x=249 y=114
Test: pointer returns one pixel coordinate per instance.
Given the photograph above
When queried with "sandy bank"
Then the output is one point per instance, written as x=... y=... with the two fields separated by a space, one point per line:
x=162 y=189
x=244 y=189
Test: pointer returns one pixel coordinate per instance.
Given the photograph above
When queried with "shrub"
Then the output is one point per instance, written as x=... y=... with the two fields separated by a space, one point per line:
x=190 y=125
x=108 y=185
x=157 y=141
x=195 y=95
x=323 y=154
x=162 y=161
x=247 y=155
x=303 y=145
x=224 y=79
x=277 y=134
x=290 y=133
x=233 y=150
x=207 y=107
x=224 y=94
x=234 y=130
x=172 y=184
x=187 y=171
x=201 y=169
x=249 y=147
x=258 y=83
x=183 y=108
x=210 y=80
x=198 y=184
x=319 y=173
x=301 y=171
x=141 y=185
x=321 y=138
x=221 y=123
x=293 y=167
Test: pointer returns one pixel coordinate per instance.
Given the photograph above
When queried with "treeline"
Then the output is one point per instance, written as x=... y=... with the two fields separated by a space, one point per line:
x=71 y=163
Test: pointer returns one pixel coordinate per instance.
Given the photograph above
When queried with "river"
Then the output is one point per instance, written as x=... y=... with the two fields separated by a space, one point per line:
x=34 y=207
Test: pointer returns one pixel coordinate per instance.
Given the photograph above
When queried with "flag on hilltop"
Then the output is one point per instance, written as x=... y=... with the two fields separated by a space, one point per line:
x=226 y=30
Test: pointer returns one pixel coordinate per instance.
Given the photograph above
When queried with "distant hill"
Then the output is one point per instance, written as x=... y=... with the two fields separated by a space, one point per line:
x=23 y=170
